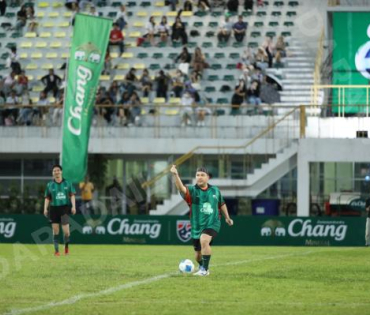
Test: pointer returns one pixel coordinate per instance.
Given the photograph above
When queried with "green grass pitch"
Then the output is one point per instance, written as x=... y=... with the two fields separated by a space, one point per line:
x=128 y=279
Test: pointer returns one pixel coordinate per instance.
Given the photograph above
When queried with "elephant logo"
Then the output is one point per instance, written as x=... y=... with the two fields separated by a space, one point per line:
x=100 y=230
x=266 y=231
x=273 y=228
x=88 y=52
x=87 y=230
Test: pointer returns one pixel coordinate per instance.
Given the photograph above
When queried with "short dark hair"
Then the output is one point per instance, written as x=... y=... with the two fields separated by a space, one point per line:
x=57 y=165
x=202 y=169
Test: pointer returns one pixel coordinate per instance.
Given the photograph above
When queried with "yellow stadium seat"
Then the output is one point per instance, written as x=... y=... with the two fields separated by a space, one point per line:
x=135 y=34
x=67 y=14
x=30 y=35
x=47 y=66
x=145 y=100
x=172 y=13
x=186 y=14
x=114 y=55
x=127 y=55
x=40 y=44
x=43 y=4
x=159 y=4
x=51 y=100
x=26 y=44
x=51 y=55
x=23 y=56
x=31 y=66
x=159 y=101
x=63 y=24
x=139 y=66
x=48 y=24
x=57 y=4
x=34 y=100
x=143 y=111
x=123 y=66
x=40 y=15
x=175 y=100
x=65 y=55
x=55 y=45
x=29 y=77
x=157 y=14
x=171 y=112
x=142 y=14
x=45 y=35
x=130 y=44
x=118 y=77
x=138 y=24
x=60 y=34
x=104 y=78
x=36 y=55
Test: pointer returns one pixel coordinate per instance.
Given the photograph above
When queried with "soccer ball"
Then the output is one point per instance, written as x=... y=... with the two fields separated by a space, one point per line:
x=186 y=266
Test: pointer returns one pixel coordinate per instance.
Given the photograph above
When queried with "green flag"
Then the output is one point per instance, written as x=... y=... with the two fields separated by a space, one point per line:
x=89 y=44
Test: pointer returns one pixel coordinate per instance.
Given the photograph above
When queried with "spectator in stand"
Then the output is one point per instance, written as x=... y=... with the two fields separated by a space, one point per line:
x=58 y=109
x=122 y=17
x=219 y=4
x=70 y=4
x=11 y=110
x=204 y=5
x=238 y=97
x=233 y=6
x=87 y=189
x=280 y=49
x=146 y=83
x=135 y=109
x=106 y=105
x=93 y=11
x=21 y=86
x=179 y=31
x=26 y=112
x=21 y=18
x=51 y=82
x=32 y=23
x=240 y=29
x=75 y=10
x=269 y=48
x=248 y=5
x=2 y=7
x=107 y=63
x=116 y=38
x=162 y=84
x=151 y=30
x=124 y=111
x=225 y=29
x=260 y=3
x=187 y=100
x=261 y=58
x=130 y=80
x=173 y=4
x=163 y=29
x=113 y=92
x=199 y=61
x=9 y=83
x=247 y=58
x=178 y=83
x=42 y=108
x=253 y=94
x=13 y=61
x=184 y=59
x=188 y=5
x=196 y=78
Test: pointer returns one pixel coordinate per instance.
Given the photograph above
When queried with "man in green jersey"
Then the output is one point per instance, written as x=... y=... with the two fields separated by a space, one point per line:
x=59 y=194
x=206 y=204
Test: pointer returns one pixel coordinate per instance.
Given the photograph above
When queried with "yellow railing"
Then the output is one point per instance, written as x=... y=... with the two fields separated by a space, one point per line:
x=188 y=155
x=340 y=99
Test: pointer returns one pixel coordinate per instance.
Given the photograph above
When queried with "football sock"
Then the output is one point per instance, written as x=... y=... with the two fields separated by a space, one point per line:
x=206 y=259
x=200 y=262
x=66 y=241
x=56 y=243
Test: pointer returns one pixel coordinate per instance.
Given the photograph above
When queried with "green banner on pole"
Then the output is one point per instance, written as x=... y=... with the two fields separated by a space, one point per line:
x=89 y=44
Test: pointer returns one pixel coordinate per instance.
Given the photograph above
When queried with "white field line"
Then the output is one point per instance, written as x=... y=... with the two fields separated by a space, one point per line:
x=76 y=298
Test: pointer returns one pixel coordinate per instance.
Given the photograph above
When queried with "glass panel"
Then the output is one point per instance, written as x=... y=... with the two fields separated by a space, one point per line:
x=10 y=168
x=35 y=187
x=39 y=167
x=10 y=186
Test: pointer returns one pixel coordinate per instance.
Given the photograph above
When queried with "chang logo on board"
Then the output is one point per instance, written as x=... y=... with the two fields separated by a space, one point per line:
x=7 y=227
x=273 y=228
x=362 y=58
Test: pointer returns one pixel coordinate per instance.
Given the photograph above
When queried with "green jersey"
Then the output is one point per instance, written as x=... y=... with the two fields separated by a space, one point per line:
x=205 y=208
x=59 y=193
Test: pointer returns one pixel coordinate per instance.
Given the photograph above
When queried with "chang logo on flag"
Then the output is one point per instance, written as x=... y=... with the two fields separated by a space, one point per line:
x=362 y=58
x=183 y=230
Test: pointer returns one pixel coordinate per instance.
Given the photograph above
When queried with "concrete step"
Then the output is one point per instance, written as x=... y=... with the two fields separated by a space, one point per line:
x=299 y=75
x=287 y=82
x=303 y=86
x=290 y=63
x=295 y=98
x=297 y=93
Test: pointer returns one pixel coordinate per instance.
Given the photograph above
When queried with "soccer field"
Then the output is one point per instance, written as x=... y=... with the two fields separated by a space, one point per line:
x=128 y=279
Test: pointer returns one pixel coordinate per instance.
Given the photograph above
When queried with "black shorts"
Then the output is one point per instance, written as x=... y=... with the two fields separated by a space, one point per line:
x=60 y=214
x=196 y=242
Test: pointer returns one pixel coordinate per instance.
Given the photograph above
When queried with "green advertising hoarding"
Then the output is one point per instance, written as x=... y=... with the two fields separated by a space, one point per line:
x=351 y=58
x=175 y=230
x=89 y=45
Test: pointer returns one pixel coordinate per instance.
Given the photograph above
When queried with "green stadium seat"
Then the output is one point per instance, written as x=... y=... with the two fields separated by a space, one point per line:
x=145 y=4
x=192 y=44
x=9 y=15
x=102 y=4
x=258 y=24
x=172 y=55
x=273 y=23
x=131 y=4
x=112 y=14
x=116 y=4
x=225 y=88
x=207 y=45
x=231 y=66
x=261 y=13
x=213 y=24
x=271 y=34
x=154 y=66
x=288 y=23
x=198 y=24
x=162 y=44
x=278 y=3
x=247 y=13
x=213 y=77
x=129 y=13
x=293 y=3
x=200 y=13
x=4 y=56
x=146 y=44
x=210 y=89
x=276 y=13
x=11 y=44
x=222 y=100
x=176 y=44
x=252 y=44
x=216 y=13
x=2 y=66
x=255 y=34
x=210 y=34
x=238 y=45
x=216 y=66
x=221 y=44
x=157 y=56
x=286 y=34
x=2 y=35
x=219 y=55
x=142 y=55
x=291 y=13
x=234 y=56
x=229 y=77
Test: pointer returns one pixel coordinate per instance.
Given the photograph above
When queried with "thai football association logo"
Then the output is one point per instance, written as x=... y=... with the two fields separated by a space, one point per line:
x=183 y=230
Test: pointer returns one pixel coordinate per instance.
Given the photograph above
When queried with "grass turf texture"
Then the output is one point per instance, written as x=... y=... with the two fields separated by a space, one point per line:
x=243 y=280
